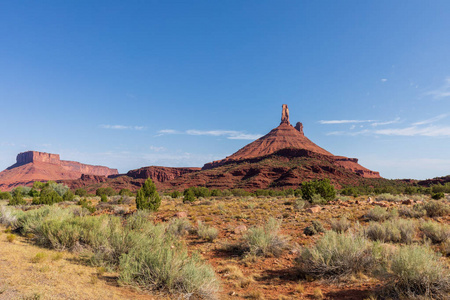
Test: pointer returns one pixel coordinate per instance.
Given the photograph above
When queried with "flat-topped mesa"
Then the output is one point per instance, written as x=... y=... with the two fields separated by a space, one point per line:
x=35 y=156
x=66 y=165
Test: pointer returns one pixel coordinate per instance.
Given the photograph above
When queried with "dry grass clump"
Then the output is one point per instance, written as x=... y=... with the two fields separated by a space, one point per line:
x=265 y=240
x=179 y=226
x=336 y=255
x=206 y=232
x=436 y=208
x=315 y=228
x=417 y=272
x=390 y=197
x=395 y=231
x=340 y=225
x=436 y=232
x=379 y=213
x=417 y=211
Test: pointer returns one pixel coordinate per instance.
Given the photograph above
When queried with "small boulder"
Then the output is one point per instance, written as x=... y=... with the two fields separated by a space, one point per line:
x=407 y=202
x=314 y=209
x=240 y=229
x=181 y=214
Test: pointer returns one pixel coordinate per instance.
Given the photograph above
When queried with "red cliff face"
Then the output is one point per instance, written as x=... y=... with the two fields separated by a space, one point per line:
x=34 y=156
x=33 y=166
x=160 y=174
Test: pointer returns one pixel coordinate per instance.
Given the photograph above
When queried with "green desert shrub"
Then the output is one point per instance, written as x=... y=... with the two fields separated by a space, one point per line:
x=436 y=208
x=417 y=272
x=175 y=194
x=188 y=196
x=265 y=240
x=340 y=225
x=320 y=187
x=336 y=255
x=81 y=192
x=437 y=196
x=395 y=231
x=315 y=228
x=390 y=197
x=5 y=196
x=126 y=192
x=379 y=213
x=436 y=232
x=103 y=198
x=68 y=196
x=108 y=191
x=206 y=232
x=147 y=197
x=47 y=196
x=17 y=199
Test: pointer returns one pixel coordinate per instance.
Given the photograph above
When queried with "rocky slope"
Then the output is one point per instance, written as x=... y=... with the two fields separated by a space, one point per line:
x=33 y=166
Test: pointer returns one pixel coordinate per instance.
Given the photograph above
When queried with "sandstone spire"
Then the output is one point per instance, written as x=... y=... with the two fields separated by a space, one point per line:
x=285 y=115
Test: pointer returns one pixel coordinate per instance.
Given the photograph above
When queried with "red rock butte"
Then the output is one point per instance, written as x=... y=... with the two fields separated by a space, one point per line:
x=33 y=166
x=286 y=136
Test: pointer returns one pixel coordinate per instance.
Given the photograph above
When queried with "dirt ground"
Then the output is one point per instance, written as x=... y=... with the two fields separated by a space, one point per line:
x=31 y=272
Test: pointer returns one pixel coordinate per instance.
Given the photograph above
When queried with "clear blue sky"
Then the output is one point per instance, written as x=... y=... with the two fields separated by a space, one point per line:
x=129 y=84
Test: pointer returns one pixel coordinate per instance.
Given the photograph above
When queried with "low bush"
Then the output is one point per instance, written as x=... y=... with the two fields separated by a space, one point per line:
x=436 y=208
x=315 y=228
x=17 y=199
x=206 y=232
x=395 y=231
x=416 y=271
x=179 y=226
x=336 y=255
x=340 y=225
x=108 y=191
x=390 y=197
x=188 y=196
x=379 y=213
x=5 y=196
x=8 y=216
x=417 y=211
x=265 y=240
x=320 y=187
x=437 y=196
x=436 y=232
x=81 y=192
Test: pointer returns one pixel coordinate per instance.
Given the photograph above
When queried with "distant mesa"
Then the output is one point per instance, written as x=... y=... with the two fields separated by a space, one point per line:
x=33 y=166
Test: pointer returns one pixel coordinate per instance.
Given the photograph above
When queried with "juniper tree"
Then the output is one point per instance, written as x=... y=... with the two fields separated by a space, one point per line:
x=147 y=197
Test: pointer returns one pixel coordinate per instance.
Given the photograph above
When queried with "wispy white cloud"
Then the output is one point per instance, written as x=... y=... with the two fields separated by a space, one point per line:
x=157 y=149
x=396 y=120
x=121 y=127
x=229 y=134
x=442 y=92
x=383 y=79
x=433 y=131
x=431 y=120
x=420 y=128
x=344 y=121
x=169 y=131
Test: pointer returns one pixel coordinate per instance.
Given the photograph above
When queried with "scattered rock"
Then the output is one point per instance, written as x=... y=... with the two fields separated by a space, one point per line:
x=407 y=202
x=181 y=214
x=314 y=209
x=240 y=229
